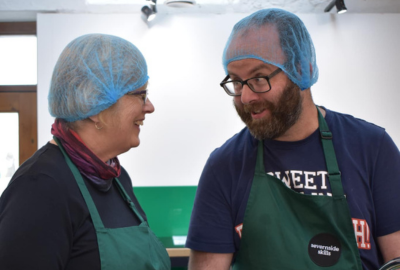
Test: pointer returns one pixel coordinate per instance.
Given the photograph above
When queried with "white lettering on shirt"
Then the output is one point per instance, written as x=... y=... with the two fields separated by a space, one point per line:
x=297 y=179
x=323 y=179
x=305 y=182
x=309 y=182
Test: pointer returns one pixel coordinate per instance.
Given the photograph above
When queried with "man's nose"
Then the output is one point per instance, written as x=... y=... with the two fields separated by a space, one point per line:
x=248 y=95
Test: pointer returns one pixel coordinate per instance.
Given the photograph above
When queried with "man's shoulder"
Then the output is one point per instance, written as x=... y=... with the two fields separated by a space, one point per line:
x=235 y=146
x=347 y=123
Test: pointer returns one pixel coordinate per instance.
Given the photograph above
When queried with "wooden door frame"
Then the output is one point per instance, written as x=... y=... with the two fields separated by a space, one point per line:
x=21 y=98
x=18 y=28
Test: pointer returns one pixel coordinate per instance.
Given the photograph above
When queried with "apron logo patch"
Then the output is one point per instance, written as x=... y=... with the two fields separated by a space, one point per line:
x=324 y=249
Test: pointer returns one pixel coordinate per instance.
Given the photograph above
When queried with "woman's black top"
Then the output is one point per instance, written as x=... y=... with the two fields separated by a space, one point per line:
x=44 y=220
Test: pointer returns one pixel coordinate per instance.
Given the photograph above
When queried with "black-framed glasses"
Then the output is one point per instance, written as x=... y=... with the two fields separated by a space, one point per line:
x=143 y=94
x=259 y=84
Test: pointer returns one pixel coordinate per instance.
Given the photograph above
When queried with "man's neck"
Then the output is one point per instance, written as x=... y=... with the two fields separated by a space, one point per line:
x=307 y=122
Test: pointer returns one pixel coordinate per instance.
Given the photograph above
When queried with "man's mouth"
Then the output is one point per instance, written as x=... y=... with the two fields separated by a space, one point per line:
x=139 y=123
x=258 y=111
x=259 y=114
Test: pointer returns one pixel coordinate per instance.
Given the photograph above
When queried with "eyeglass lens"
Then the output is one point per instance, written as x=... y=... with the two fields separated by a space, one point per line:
x=259 y=84
x=142 y=94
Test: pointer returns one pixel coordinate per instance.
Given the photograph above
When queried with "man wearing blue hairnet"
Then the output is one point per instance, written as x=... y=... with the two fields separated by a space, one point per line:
x=300 y=187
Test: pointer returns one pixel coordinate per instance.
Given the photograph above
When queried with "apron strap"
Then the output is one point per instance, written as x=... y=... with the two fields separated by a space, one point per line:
x=330 y=157
x=86 y=195
x=260 y=169
x=98 y=224
x=126 y=198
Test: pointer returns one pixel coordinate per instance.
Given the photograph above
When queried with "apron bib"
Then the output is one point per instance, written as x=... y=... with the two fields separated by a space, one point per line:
x=134 y=247
x=286 y=230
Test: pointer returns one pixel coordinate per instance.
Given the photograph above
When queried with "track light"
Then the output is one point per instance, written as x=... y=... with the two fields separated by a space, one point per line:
x=149 y=11
x=341 y=8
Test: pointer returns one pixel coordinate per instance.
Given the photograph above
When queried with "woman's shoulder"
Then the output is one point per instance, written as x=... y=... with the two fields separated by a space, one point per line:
x=45 y=183
x=44 y=203
x=45 y=167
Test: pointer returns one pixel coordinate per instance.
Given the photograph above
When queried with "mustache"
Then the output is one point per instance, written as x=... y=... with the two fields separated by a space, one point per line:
x=265 y=105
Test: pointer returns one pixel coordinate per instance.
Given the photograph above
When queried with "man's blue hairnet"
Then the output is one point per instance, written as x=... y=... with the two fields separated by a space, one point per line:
x=277 y=37
x=92 y=73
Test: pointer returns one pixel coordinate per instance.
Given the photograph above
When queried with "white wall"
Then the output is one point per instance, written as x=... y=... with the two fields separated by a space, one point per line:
x=356 y=53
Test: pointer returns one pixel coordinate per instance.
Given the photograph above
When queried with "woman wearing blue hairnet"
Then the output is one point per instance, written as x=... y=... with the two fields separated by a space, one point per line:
x=71 y=205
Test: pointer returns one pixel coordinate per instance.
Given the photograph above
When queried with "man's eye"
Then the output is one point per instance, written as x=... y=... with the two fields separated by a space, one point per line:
x=260 y=80
x=236 y=84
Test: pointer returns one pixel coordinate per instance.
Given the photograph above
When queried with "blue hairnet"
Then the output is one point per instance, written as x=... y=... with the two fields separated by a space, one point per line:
x=92 y=73
x=277 y=37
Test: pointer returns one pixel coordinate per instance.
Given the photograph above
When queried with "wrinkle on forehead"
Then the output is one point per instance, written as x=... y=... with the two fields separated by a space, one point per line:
x=261 y=42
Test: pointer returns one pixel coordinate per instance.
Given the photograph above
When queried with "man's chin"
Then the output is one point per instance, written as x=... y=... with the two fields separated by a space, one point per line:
x=268 y=127
x=261 y=133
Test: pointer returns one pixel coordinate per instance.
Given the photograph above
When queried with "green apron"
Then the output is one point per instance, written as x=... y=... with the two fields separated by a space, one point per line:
x=125 y=248
x=286 y=230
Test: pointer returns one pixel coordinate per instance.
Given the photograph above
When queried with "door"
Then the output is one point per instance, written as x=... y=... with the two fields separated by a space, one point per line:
x=18 y=86
x=24 y=105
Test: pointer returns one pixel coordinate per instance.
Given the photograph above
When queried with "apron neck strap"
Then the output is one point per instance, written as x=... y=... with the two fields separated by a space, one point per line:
x=128 y=200
x=98 y=224
x=329 y=153
x=330 y=157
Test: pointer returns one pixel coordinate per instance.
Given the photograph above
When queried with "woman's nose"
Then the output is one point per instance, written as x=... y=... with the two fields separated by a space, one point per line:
x=148 y=106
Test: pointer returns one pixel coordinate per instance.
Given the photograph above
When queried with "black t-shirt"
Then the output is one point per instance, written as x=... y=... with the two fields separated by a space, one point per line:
x=44 y=220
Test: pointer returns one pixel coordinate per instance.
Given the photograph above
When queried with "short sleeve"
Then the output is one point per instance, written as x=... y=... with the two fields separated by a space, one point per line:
x=211 y=226
x=35 y=225
x=386 y=187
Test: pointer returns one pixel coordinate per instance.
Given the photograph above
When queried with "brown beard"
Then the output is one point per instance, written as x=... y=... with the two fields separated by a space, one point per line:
x=284 y=114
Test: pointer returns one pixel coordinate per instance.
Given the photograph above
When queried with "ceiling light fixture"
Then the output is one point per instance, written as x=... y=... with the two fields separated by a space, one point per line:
x=149 y=11
x=340 y=6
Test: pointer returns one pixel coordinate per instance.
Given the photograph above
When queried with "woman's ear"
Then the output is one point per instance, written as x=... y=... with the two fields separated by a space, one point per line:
x=95 y=118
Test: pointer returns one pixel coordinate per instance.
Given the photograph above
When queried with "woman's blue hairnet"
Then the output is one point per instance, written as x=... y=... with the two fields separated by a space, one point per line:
x=277 y=37
x=92 y=73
